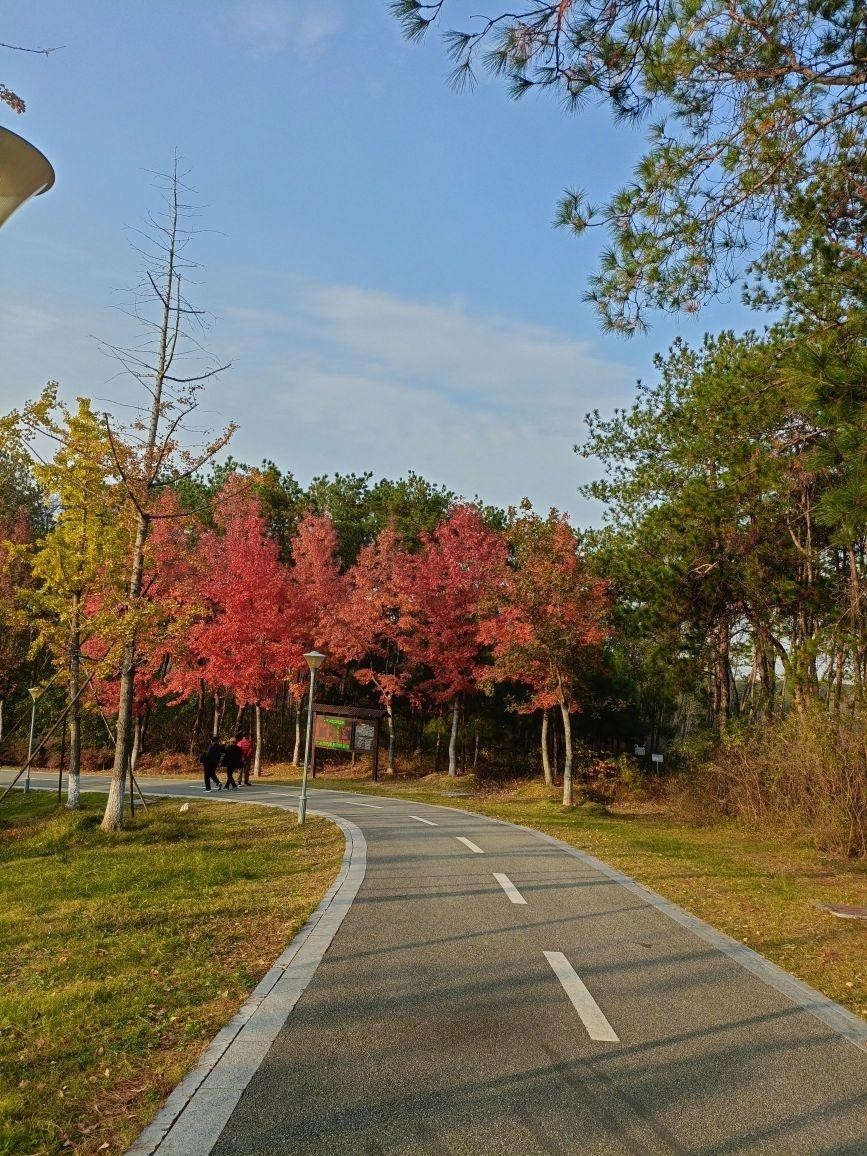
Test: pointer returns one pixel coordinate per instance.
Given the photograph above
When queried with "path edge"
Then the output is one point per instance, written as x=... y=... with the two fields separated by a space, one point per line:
x=313 y=939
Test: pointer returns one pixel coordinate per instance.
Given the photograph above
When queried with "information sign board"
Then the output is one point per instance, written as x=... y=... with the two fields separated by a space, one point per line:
x=353 y=729
x=333 y=733
x=365 y=736
x=640 y=750
x=656 y=758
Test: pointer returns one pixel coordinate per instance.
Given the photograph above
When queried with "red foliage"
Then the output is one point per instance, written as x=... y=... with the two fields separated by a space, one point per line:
x=370 y=622
x=552 y=615
x=172 y=599
x=316 y=584
x=450 y=586
x=248 y=640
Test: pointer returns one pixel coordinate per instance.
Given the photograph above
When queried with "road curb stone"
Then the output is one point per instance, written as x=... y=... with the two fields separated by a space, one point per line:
x=196 y=1111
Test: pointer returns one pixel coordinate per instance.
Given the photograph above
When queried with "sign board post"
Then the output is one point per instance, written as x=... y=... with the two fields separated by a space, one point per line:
x=353 y=729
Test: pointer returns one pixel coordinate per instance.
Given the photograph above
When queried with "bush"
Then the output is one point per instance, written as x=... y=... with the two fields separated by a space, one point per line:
x=632 y=774
x=96 y=758
x=807 y=771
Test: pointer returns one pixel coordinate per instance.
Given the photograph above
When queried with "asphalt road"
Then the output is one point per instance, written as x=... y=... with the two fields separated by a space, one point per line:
x=450 y=1017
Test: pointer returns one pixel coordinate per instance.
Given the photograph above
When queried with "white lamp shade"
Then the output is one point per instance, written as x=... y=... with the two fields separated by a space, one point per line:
x=315 y=659
x=24 y=173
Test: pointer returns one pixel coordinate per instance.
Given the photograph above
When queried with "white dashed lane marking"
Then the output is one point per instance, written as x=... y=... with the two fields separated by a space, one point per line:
x=598 y=1027
x=510 y=889
x=419 y=819
x=469 y=843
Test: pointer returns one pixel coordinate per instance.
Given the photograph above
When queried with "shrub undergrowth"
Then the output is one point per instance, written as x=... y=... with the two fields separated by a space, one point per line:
x=808 y=771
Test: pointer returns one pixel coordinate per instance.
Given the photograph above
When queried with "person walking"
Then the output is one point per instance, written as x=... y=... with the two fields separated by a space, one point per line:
x=246 y=749
x=233 y=760
x=210 y=760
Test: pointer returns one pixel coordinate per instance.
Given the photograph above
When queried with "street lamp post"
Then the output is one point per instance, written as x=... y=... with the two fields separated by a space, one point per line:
x=314 y=660
x=24 y=172
x=34 y=694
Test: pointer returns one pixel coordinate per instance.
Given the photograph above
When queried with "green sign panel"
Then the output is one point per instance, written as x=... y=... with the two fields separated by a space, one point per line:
x=334 y=733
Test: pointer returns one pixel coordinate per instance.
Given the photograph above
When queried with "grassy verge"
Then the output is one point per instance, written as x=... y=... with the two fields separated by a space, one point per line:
x=760 y=886
x=122 y=955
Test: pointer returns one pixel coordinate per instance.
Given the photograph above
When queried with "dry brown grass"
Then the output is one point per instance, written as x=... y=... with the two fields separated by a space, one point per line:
x=808 y=773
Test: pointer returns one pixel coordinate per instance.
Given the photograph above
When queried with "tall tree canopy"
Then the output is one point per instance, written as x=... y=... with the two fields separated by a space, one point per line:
x=758 y=133
x=550 y=619
x=450 y=585
x=737 y=513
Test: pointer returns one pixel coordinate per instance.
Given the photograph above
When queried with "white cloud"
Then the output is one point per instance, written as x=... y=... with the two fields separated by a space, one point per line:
x=485 y=362
x=362 y=379
x=269 y=27
x=42 y=341
x=343 y=378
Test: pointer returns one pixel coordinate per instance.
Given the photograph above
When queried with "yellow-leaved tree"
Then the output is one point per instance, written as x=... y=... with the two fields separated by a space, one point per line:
x=79 y=565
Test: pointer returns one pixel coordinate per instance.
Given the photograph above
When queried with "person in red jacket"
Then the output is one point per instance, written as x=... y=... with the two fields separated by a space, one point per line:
x=246 y=749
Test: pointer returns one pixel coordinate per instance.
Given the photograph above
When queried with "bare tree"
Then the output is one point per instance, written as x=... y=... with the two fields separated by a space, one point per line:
x=172 y=367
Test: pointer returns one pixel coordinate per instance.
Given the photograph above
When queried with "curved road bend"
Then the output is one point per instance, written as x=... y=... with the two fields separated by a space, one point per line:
x=488 y=992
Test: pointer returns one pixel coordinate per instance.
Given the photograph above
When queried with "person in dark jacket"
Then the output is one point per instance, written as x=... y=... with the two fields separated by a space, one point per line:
x=210 y=760
x=233 y=760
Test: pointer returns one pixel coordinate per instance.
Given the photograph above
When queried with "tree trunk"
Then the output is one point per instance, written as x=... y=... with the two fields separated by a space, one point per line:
x=419 y=736
x=196 y=740
x=220 y=703
x=112 y=820
x=137 y=739
x=390 y=709
x=453 y=742
x=750 y=690
x=2 y=703
x=735 y=697
x=476 y=751
x=767 y=674
x=257 y=757
x=62 y=762
x=839 y=671
x=73 y=783
x=857 y=617
x=567 y=754
x=296 y=754
x=546 y=758
x=439 y=741
x=722 y=675
x=463 y=734
x=281 y=721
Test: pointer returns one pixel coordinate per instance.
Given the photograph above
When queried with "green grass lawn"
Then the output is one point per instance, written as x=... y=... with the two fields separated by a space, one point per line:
x=122 y=955
x=759 y=886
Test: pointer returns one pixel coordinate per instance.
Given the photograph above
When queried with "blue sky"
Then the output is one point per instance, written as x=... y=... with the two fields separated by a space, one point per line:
x=381 y=265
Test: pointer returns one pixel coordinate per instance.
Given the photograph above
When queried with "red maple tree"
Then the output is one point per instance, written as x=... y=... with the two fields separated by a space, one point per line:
x=551 y=621
x=450 y=586
x=247 y=641
x=370 y=622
